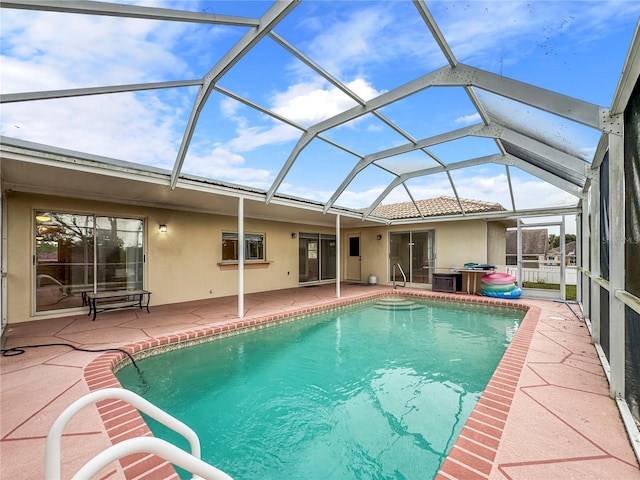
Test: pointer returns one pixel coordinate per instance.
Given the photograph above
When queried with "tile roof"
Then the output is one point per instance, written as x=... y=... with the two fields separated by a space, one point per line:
x=435 y=207
x=534 y=241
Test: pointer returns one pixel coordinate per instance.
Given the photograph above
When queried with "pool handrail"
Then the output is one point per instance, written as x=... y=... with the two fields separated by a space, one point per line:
x=53 y=442
x=198 y=468
x=403 y=275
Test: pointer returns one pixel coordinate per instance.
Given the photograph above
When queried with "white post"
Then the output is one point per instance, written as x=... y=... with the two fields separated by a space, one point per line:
x=240 y=257
x=338 y=273
x=594 y=207
x=563 y=266
x=585 y=232
x=616 y=264
x=519 y=254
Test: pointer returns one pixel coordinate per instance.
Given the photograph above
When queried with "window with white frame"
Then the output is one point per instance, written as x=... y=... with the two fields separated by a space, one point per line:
x=254 y=244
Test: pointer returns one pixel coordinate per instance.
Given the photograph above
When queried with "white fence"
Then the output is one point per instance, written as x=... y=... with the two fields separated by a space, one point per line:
x=546 y=274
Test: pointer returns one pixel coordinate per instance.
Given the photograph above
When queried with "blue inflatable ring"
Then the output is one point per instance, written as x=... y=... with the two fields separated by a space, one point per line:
x=515 y=293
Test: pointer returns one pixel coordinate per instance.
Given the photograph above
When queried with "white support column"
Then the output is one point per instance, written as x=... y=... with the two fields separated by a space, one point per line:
x=338 y=272
x=579 y=258
x=616 y=265
x=240 y=257
x=595 y=259
x=519 y=254
x=3 y=263
x=585 y=232
x=563 y=263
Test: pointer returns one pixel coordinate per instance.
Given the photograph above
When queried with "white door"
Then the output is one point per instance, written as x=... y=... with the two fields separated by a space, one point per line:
x=353 y=258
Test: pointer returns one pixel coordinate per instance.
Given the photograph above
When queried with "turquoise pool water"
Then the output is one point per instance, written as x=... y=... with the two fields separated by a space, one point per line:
x=379 y=391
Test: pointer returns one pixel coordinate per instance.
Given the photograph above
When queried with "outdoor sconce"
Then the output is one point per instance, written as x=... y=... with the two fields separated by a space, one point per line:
x=163 y=228
x=294 y=235
x=379 y=237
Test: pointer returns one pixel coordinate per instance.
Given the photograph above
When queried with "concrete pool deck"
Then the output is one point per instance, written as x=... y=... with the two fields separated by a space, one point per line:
x=546 y=413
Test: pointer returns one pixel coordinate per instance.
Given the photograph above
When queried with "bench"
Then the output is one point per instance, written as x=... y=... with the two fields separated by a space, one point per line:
x=115 y=299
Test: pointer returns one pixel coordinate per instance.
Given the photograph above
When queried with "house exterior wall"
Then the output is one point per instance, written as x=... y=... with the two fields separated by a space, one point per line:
x=457 y=243
x=496 y=244
x=181 y=264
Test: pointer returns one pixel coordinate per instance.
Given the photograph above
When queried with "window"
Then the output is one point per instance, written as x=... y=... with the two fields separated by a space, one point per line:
x=253 y=246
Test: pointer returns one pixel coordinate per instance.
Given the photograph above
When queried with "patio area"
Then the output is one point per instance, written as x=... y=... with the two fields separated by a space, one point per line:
x=546 y=413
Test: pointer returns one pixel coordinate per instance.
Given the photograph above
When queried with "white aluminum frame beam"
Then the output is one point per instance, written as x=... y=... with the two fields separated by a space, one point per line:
x=128 y=11
x=268 y=21
x=408 y=147
x=83 y=92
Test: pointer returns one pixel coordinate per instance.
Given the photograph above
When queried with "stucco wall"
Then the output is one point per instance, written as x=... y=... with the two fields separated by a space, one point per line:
x=181 y=264
x=457 y=243
x=497 y=245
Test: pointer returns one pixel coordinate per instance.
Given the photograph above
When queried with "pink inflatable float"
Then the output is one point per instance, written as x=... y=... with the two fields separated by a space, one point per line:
x=501 y=285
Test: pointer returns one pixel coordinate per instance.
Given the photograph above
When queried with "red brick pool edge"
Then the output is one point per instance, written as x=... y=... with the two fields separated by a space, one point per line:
x=470 y=458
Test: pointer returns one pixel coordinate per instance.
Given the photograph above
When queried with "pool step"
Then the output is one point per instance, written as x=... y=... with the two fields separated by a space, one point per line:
x=397 y=304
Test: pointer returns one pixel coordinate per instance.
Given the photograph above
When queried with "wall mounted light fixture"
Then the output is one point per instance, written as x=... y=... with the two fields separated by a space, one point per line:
x=379 y=237
x=163 y=228
x=294 y=235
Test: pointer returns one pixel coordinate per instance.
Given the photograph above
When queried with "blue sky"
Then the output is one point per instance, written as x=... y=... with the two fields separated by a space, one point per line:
x=574 y=48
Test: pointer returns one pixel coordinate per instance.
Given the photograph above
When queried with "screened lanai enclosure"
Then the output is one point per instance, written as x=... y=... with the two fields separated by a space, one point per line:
x=322 y=113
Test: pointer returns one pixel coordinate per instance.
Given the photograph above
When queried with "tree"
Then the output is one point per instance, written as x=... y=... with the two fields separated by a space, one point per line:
x=554 y=240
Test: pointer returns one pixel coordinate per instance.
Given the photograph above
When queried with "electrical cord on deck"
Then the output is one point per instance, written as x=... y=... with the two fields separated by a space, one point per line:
x=13 y=351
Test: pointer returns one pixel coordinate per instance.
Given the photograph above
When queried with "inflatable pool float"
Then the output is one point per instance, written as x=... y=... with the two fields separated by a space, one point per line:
x=497 y=279
x=497 y=288
x=514 y=293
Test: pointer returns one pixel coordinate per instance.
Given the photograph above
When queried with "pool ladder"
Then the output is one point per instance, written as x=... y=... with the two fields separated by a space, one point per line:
x=404 y=277
x=191 y=462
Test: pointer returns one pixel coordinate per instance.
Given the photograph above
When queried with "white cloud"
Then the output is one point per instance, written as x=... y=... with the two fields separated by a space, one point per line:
x=252 y=138
x=223 y=164
x=310 y=103
x=468 y=119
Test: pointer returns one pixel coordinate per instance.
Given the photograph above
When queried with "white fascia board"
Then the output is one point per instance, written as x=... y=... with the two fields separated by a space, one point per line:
x=490 y=216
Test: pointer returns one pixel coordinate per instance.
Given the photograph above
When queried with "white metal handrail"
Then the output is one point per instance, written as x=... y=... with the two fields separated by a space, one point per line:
x=403 y=275
x=156 y=446
x=52 y=446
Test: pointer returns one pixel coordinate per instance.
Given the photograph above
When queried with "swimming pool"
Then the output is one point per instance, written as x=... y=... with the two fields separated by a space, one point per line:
x=375 y=391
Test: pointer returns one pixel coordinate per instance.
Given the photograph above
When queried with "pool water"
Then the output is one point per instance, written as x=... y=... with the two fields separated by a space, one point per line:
x=379 y=391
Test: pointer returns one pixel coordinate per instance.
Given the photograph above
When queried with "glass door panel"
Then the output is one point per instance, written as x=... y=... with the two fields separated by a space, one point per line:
x=119 y=252
x=399 y=253
x=308 y=257
x=328 y=257
x=422 y=257
x=63 y=260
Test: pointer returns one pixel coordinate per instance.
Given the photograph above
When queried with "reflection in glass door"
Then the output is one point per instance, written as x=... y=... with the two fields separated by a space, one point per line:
x=316 y=257
x=415 y=253
x=76 y=254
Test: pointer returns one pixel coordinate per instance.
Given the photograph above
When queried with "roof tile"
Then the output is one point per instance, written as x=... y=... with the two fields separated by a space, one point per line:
x=435 y=207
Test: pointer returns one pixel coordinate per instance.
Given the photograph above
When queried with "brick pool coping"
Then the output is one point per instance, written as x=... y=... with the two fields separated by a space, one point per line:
x=471 y=457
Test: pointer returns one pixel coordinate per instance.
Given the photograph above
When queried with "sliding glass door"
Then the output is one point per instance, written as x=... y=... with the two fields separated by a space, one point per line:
x=76 y=254
x=412 y=253
x=316 y=257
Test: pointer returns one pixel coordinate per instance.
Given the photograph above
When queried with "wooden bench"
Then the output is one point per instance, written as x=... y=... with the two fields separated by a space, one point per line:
x=115 y=299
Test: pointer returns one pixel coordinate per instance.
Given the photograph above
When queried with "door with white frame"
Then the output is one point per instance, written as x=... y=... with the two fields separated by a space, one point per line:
x=354 y=258
x=412 y=253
